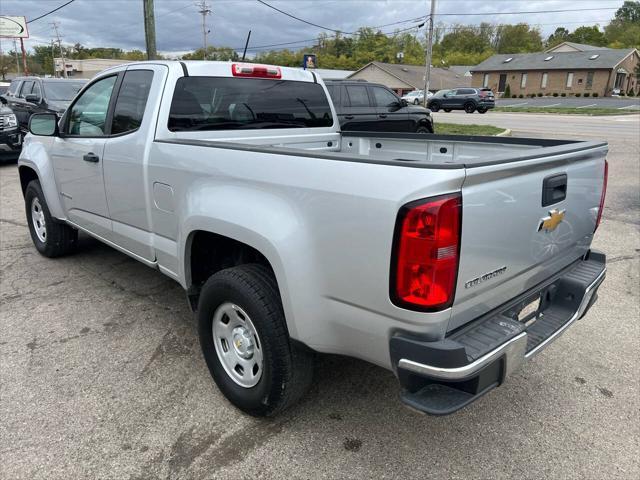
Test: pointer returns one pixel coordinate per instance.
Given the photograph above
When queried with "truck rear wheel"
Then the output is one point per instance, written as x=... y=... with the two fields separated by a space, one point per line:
x=50 y=237
x=245 y=342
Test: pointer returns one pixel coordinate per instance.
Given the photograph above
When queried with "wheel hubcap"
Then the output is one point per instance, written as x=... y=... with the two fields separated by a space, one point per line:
x=237 y=345
x=37 y=219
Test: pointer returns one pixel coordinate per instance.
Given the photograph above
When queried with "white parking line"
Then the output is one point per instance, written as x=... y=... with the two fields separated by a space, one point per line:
x=628 y=107
x=552 y=105
x=587 y=106
x=516 y=104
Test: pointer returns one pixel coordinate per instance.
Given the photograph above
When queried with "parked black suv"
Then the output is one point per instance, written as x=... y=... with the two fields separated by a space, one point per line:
x=10 y=138
x=364 y=106
x=467 y=99
x=28 y=95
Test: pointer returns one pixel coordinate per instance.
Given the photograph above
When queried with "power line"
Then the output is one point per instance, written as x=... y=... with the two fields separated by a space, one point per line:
x=51 y=11
x=299 y=19
x=525 y=12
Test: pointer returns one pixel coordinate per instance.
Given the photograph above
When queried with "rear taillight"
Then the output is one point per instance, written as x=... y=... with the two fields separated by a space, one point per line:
x=603 y=194
x=256 y=71
x=425 y=256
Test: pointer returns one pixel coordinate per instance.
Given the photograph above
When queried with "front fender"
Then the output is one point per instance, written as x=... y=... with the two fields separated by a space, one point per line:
x=35 y=155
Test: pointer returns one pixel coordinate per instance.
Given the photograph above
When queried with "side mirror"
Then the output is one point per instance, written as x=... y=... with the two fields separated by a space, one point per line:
x=44 y=124
x=403 y=102
x=32 y=98
x=3 y=100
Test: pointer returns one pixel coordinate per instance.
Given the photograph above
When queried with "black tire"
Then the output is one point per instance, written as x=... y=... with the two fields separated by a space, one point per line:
x=447 y=110
x=59 y=238
x=469 y=107
x=434 y=107
x=416 y=102
x=482 y=110
x=287 y=369
x=423 y=129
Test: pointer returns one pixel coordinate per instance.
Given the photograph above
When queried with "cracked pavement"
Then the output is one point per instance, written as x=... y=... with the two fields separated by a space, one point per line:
x=101 y=375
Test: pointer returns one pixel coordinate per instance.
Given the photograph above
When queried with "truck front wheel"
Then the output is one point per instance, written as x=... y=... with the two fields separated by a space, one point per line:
x=245 y=342
x=51 y=237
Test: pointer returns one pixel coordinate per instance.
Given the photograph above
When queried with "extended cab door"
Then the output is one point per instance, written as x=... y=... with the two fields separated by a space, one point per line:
x=77 y=157
x=392 y=116
x=125 y=159
x=21 y=108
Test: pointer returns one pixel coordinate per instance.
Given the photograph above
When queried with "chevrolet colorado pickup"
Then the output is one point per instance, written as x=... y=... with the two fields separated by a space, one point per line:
x=449 y=260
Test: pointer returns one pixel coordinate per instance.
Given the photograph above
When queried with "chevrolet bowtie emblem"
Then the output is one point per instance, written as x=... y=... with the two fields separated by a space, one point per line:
x=551 y=222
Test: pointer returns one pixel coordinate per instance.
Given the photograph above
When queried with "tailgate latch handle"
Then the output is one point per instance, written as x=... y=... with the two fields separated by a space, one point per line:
x=554 y=189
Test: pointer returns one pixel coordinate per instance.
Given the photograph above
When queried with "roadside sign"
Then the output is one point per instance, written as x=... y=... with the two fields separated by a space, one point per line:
x=309 y=61
x=13 y=27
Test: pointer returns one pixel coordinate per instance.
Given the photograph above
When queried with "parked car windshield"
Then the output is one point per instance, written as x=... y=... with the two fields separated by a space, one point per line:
x=62 y=91
x=212 y=103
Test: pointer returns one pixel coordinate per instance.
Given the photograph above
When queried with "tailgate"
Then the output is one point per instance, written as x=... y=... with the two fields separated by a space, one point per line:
x=513 y=235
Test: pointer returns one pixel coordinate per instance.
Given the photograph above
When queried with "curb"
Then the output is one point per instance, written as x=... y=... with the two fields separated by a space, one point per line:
x=504 y=133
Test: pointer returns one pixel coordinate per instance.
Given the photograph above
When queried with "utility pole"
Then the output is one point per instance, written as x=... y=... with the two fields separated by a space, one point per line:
x=150 y=29
x=427 y=73
x=53 y=57
x=204 y=11
x=55 y=26
x=15 y=51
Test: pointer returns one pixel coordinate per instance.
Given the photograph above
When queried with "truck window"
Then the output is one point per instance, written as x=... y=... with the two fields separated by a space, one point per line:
x=36 y=90
x=87 y=117
x=221 y=103
x=334 y=93
x=131 y=102
x=358 y=95
x=26 y=88
x=383 y=97
x=13 y=88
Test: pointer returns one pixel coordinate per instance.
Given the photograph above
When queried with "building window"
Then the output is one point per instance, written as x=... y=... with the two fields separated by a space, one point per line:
x=523 y=80
x=485 y=80
x=543 y=83
x=569 y=79
x=590 y=80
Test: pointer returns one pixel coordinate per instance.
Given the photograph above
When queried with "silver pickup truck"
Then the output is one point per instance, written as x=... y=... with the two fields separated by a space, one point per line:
x=448 y=260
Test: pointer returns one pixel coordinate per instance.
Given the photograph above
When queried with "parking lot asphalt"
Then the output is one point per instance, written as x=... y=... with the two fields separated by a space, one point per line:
x=101 y=374
x=621 y=103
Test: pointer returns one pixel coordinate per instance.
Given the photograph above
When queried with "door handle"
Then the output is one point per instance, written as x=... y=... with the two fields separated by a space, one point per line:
x=383 y=115
x=91 y=157
x=349 y=117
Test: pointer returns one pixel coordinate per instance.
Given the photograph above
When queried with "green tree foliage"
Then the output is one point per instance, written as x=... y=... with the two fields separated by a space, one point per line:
x=213 y=53
x=589 y=35
x=520 y=38
x=556 y=38
x=624 y=30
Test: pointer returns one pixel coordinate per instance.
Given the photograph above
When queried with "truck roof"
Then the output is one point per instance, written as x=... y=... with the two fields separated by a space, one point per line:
x=200 y=68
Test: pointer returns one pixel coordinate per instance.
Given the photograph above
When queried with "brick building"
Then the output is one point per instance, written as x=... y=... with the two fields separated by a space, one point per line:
x=568 y=68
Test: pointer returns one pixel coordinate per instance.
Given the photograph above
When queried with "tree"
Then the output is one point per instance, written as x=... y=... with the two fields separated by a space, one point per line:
x=589 y=35
x=520 y=38
x=556 y=38
x=629 y=12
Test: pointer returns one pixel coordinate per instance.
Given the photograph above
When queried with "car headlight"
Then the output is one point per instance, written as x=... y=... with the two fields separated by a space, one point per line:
x=9 y=120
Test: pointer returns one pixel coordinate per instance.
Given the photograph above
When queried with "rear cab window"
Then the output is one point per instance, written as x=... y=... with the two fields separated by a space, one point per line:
x=226 y=103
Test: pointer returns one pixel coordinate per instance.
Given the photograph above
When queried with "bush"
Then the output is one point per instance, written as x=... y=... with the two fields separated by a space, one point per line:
x=595 y=94
x=631 y=93
x=507 y=91
x=555 y=94
x=577 y=94
x=514 y=96
x=532 y=95
x=622 y=94
x=539 y=94
x=586 y=94
x=563 y=94
x=520 y=96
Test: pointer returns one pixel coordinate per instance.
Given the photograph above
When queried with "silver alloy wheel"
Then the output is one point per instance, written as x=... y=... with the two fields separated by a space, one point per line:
x=37 y=218
x=237 y=344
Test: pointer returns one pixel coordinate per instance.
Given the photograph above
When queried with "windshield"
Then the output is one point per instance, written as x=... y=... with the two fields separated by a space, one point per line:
x=62 y=91
x=218 y=103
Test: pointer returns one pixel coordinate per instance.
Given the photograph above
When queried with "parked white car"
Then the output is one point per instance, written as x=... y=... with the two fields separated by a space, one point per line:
x=416 y=97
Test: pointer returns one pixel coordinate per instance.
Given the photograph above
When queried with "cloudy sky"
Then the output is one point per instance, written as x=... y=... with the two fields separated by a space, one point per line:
x=118 y=23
